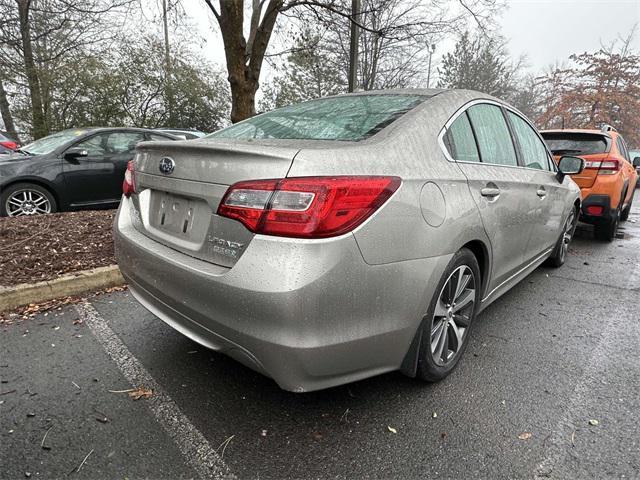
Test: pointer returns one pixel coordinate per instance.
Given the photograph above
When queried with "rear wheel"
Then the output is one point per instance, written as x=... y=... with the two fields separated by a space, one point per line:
x=624 y=216
x=607 y=231
x=447 y=322
x=26 y=199
x=559 y=255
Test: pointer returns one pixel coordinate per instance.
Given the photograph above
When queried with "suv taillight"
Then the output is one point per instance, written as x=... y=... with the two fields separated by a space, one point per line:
x=306 y=207
x=129 y=183
x=604 y=167
x=9 y=144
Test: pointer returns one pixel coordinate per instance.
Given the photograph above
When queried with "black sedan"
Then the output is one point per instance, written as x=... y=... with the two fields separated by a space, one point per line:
x=69 y=170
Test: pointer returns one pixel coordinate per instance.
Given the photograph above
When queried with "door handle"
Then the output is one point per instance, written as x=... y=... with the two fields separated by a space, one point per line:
x=490 y=192
x=541 y=192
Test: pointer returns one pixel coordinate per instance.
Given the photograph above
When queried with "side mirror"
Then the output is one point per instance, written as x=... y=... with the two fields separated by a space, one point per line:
x=75 y=153
x=636 y=162
x=569 y=165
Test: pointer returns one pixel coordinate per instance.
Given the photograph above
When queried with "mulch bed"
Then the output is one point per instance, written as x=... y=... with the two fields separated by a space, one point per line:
x=44 y=247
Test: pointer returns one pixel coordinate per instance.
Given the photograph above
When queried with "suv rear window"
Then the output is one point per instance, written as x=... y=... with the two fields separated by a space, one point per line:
x=576 y=143
x=347 y=118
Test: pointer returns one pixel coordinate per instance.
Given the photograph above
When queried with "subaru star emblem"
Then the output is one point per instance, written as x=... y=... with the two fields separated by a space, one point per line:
x=167 y=165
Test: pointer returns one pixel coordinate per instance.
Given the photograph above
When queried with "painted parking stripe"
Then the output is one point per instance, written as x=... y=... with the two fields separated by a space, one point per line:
x=195 y=448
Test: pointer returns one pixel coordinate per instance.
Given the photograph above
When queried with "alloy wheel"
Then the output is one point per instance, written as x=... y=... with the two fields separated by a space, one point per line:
x=452 y=315
x=27 y=202
x=567 y=234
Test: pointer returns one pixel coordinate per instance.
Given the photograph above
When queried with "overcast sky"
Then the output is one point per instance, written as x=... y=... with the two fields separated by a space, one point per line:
x=550 y=30
x=545 y=31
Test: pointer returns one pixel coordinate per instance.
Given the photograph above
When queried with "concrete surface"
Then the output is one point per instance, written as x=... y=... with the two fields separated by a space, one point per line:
x=558 y=351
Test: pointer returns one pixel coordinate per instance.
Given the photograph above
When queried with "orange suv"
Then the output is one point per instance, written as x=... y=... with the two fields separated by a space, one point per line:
x=608 y=180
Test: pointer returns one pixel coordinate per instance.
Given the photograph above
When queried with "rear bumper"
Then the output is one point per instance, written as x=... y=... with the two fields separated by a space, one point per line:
x=309 y=314
x=603 y=201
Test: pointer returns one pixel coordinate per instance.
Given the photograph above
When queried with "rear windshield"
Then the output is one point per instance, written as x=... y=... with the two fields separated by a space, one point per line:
x=576 y=143
x=347 y=118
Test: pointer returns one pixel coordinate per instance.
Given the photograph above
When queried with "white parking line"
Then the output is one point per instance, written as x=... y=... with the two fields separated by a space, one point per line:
x=195 y=448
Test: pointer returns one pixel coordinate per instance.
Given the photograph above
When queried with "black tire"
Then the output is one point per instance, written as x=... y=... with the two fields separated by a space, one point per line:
x=17 y=188
x=559 y=254
x=606 y=231
x=428 y=367
x=624 y=216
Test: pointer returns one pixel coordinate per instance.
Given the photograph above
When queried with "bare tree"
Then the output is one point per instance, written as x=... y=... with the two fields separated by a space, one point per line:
x=245 y=55
x=35 y=36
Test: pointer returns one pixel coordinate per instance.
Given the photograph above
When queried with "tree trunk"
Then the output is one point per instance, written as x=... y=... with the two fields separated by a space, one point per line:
x=170 y=103
x=39 y=125
x=6 y=114
x=245 y=62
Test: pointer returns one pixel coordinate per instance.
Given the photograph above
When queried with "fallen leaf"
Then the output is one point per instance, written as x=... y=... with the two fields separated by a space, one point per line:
x=391 y=429
x=594 y=422
x=141 y=393
x=525 y=436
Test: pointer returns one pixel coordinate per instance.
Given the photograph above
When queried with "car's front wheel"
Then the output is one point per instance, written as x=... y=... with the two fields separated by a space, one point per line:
x=447 y=322
x=26 y=199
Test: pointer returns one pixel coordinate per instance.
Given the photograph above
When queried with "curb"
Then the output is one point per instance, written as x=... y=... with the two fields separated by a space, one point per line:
x=67 y=285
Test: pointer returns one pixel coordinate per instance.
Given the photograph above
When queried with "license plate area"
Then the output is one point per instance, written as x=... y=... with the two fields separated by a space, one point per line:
x=175 y=214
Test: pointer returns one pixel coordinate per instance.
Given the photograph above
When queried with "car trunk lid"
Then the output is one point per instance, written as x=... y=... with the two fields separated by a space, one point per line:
x=591 y=146
x=177 y=205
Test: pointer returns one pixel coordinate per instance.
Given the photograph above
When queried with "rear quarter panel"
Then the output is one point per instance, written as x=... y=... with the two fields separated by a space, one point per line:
x=408 y=149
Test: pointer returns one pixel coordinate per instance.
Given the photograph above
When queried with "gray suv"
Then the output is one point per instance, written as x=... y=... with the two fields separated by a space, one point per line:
x=344 y=237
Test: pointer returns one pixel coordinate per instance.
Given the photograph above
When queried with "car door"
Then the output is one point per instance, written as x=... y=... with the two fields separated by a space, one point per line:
x=546 y=194
x=97 y=177
x=484 y=149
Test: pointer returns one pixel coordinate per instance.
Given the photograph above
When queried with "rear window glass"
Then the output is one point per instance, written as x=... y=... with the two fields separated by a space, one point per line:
x=347 y=118
x=462 y=143
x=576 y=143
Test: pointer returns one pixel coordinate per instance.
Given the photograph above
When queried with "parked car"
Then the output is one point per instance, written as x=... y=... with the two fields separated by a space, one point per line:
x=69 y=170
x=7 y=142
x=182 y=133
x=635 y=158
x=344 y=237
x=608 y=180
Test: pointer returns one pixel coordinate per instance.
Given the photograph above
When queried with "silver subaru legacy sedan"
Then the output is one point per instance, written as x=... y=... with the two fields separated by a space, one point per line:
x=344 y=237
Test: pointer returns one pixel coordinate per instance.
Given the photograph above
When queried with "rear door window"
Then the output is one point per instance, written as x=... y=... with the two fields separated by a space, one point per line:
x=123 y=142
x=492 y=133
x=460 y=140
x=533 y=150
x=623 y=149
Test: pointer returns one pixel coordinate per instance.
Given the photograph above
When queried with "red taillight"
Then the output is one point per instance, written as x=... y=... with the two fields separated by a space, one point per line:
x=10 y=145
x=129 y=183
x=605 y=167
x=595 y=210
x=306 y=207
x=609 y=167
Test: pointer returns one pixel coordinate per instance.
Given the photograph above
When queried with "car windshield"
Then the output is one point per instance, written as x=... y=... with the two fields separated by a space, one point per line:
x=346 y=118
x=50 y=143
x=577 y=143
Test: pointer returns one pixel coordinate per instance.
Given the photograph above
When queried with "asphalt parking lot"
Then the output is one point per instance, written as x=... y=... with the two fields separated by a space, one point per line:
x=549 y=387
